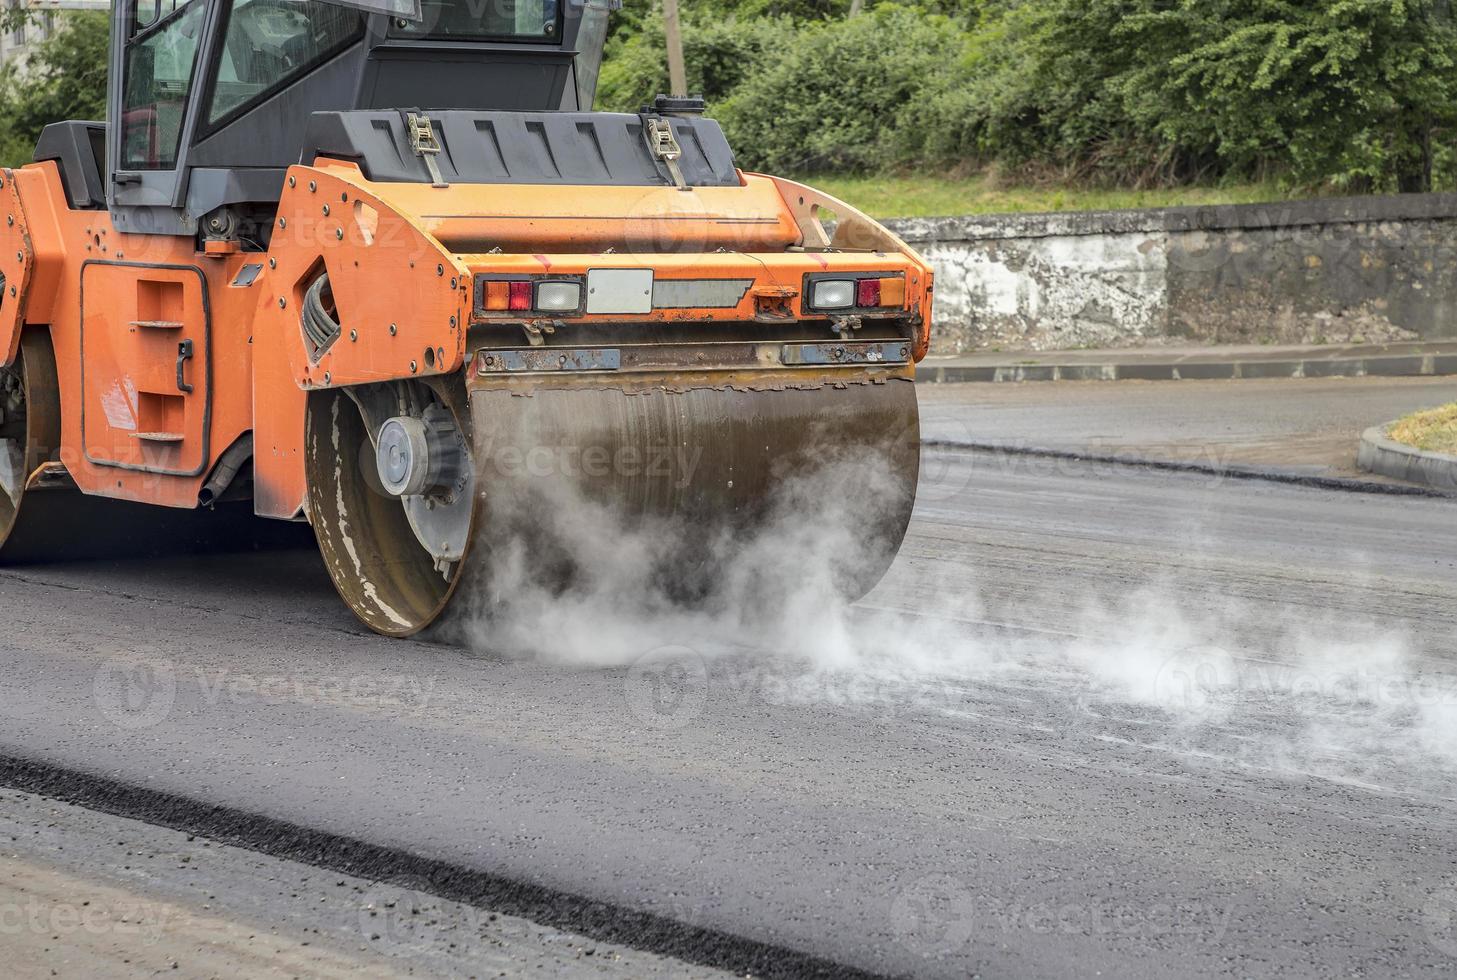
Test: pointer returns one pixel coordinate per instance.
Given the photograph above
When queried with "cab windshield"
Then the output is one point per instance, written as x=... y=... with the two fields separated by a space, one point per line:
x=504 y=20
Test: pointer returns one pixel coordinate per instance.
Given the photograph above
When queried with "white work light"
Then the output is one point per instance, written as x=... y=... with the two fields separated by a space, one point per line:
x=833 y=294
x=558 y=297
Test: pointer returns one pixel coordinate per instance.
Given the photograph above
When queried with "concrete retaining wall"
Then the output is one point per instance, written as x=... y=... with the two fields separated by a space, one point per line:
x=1340 y=270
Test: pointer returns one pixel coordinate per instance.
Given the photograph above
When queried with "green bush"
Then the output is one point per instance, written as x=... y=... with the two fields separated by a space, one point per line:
x=1357 y=94
x=718 y=55
x=839 y=95
x=1354 y=92
x=640 y=15
x=1036 y=88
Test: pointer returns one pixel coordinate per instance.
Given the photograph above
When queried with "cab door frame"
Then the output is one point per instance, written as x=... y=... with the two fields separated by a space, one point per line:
x=153 y=201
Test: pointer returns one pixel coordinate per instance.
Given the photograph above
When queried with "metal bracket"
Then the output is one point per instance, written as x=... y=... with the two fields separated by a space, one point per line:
x=536 y=332
x=377 y=404
x=665 y=147
x=845 y=326
x=220 y=225
x=425 y=145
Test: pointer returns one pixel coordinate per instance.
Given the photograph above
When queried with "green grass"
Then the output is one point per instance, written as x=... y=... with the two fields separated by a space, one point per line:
x=918 y=197
x=1434 y=430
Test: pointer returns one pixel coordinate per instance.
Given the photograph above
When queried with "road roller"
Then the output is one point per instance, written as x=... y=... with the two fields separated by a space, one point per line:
x=378 y=266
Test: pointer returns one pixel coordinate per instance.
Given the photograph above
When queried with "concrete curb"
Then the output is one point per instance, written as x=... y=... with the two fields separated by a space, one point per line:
x=1396 y=366
x=1378 y=454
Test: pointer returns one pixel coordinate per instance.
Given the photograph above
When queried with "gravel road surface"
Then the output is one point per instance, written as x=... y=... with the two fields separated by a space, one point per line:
x=1097 y=720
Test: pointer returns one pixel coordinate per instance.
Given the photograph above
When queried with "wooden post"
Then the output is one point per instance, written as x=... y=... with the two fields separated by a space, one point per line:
x=673 y=33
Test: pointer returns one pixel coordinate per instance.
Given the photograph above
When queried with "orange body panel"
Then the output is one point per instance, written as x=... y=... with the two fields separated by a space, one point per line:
x=779 y=274
x=528 y=219
x=17 y=262
x=403 y=300
x=129 y=381
x=126 y=311
x=401 y=260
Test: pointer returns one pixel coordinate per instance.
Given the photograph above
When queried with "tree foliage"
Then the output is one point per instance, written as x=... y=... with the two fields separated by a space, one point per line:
x=1352 y=94
x=65 y=78
x=720 y=55
x=1358 y=91
x=1355 y=94
x=844 y=94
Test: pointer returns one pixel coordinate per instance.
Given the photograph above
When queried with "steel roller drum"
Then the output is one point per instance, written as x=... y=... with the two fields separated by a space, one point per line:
x=680 y=475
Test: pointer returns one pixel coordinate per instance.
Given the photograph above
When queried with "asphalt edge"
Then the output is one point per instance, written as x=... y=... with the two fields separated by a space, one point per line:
x=1395 y=366
x=1206 y=469
x=1386 y=457
x=602 y=921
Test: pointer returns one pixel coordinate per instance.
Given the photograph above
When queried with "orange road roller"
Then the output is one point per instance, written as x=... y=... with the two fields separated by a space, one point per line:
x=378 y=266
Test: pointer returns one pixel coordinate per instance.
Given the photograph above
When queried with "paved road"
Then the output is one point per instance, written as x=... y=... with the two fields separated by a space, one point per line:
x=87 y=894
x=1096 y=720
x=1310 y=426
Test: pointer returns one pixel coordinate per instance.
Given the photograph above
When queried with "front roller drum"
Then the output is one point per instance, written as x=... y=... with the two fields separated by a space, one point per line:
x=699 y=495
x=30 y=437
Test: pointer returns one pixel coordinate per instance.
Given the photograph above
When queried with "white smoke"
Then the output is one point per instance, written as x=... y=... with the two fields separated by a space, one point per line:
x=776 y=588
x=1299 y=690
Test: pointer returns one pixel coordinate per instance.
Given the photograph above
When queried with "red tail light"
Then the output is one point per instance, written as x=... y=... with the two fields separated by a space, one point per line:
x=520 y=296
x=867 y=292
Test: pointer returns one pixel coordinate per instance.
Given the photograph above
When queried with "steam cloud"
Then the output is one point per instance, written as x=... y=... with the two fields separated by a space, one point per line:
x=1295 y=692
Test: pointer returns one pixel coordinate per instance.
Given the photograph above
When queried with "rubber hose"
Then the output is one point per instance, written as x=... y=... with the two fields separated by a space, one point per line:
x=321 y=328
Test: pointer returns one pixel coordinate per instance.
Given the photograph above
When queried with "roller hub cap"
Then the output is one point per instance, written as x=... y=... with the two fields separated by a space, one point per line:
x=425 y=462
x=403 y=455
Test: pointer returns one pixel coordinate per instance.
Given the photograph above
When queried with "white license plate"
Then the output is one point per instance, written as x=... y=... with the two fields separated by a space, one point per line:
x=620 y=291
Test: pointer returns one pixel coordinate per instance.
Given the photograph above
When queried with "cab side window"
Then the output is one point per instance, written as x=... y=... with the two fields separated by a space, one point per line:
x=267 y=44
x=159 y=67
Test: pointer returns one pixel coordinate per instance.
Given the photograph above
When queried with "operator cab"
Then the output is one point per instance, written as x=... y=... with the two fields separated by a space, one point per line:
x=210 y=101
